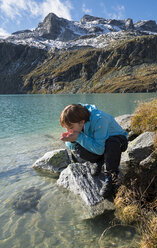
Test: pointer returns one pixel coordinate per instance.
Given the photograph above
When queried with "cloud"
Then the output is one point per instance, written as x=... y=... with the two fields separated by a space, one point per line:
x=119 y=11
x=57 y=7
x=11 y=8
x=85 y=10
x=116 y=12
x=3 y=33
x=18 y=8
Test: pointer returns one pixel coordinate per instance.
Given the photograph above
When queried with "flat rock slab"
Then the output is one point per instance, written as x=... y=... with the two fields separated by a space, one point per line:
x=78 y=179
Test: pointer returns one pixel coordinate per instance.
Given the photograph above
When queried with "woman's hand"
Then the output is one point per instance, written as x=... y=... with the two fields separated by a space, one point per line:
x=69 y=136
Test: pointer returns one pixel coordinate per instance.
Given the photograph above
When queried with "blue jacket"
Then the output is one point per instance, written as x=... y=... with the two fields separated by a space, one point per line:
x=97 y=130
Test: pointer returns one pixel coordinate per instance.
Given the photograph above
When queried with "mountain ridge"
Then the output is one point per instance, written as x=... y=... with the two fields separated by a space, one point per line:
x=89 y=56
x=57 y=32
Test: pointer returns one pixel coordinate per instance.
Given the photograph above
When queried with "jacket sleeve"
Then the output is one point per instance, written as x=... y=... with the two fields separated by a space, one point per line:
x=70 y=145
x=95 y=144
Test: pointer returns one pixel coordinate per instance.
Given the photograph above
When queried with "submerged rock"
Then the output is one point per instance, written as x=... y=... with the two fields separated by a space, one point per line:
x=27 y=201
x=54 y=161
x=78 y=179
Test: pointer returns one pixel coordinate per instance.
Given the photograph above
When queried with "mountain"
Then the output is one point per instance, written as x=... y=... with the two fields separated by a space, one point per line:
x=90 y=31
x=91 y=55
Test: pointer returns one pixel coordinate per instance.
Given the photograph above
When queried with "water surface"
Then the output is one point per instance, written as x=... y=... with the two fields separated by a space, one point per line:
x=29 y=127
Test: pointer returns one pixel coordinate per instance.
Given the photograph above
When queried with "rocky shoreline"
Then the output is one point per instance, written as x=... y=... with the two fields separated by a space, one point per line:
x=77 y=177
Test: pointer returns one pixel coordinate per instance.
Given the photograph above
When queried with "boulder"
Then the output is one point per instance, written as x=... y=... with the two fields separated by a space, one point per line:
x=53 y=161
x=150 y=162
x=141 y=147
x=138 y=150
x=131 y=136
x=77 y=178
x=124 y=121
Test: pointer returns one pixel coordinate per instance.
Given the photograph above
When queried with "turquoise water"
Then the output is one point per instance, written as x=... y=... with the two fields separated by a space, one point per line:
x=29 y=127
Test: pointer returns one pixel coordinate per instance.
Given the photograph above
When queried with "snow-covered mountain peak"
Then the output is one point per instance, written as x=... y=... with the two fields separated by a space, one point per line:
x=56 y=32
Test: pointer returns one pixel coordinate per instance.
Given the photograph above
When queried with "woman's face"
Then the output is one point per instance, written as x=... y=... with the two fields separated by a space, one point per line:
x=75 y=127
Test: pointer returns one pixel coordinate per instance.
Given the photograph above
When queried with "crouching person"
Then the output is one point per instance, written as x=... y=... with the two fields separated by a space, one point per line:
x=94 y=136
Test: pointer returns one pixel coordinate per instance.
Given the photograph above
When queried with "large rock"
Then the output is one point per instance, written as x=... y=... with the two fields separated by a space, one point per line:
x=138 y=150
x=124 y=121
x=150 y=162
x=141 y=147
x=78 y=179
x=54 y=161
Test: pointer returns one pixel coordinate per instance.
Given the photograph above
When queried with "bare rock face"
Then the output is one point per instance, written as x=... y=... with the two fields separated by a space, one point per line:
x=54 y=161
x=129 y=24
x=15 y=62
x=148 y=25
x=89 y=18
x=54 y=27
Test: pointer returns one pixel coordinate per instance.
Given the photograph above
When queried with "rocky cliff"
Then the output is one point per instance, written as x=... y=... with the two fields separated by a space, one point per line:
x=93 y=55
x=128 y=67
x=15 y=62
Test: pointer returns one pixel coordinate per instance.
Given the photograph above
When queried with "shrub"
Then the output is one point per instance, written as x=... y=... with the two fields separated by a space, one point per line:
x=149 y=237
x=145 y=117
x=127 y=209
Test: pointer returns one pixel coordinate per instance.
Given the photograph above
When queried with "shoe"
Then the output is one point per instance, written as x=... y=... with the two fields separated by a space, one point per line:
x=106 y=189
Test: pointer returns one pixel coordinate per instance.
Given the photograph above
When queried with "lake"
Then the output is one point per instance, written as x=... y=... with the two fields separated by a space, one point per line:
x=29 y=127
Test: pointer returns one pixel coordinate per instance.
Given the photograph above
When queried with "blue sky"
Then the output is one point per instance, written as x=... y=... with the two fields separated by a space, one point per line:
x=26 y=14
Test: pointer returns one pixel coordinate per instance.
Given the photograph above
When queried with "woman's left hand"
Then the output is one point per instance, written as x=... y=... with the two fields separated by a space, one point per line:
x=69 y=136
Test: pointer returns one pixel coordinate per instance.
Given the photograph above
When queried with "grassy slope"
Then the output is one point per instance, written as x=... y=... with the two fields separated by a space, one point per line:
x=129 y=66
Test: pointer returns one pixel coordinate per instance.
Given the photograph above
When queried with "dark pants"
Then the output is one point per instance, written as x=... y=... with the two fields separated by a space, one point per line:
x=114 y=146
